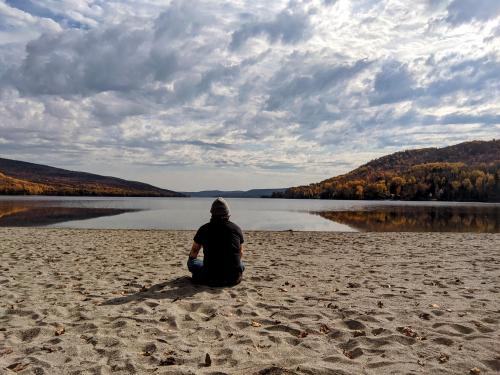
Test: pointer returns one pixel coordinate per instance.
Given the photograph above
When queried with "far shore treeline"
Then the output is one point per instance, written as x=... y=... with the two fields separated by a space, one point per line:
x=465 y=172
x=22 y=178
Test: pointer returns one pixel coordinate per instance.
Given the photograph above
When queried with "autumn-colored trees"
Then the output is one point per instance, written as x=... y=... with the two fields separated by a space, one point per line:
x=468 y=171
x=9 y=185
x=15 y=186
x=426 y=181
x=22 y=178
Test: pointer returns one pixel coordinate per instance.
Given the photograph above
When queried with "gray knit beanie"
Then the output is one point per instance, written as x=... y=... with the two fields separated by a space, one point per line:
x=220 y=208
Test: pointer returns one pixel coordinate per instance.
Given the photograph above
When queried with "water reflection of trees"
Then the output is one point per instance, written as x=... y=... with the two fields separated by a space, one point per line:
x=27 y=214
x=420 y=219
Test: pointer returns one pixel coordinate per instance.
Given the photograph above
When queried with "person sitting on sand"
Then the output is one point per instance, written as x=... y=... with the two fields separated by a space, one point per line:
x=222 y=242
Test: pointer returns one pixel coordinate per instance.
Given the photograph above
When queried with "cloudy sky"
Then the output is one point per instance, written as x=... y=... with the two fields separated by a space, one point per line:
x=193 y=95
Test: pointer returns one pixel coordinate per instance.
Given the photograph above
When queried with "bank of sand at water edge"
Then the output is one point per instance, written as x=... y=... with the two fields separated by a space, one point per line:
x=121 y=302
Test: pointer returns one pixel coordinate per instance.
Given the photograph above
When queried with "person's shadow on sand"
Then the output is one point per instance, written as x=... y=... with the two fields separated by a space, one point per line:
x=178 y=288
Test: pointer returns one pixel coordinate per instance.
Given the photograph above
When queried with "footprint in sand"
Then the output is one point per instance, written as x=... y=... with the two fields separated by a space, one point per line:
x=443 y=341
x=456 y=327
x=284 y=328
x=354 y=324
x=29 y=334
x=493 y=364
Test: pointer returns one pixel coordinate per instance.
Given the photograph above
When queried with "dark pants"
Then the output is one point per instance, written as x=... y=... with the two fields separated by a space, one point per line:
x=195 y=266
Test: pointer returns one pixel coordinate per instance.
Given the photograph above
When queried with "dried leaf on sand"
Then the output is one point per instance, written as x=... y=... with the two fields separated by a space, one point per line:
x=410 y=332
x=324 y=329
x=352 y=354
x=18 y=366
x=302 y=334
x=443 y=358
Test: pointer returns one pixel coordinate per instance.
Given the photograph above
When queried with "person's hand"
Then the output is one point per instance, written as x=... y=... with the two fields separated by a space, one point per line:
x=195 y=249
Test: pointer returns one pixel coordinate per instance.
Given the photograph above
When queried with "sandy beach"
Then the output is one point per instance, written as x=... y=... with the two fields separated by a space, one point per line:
x=121 y=302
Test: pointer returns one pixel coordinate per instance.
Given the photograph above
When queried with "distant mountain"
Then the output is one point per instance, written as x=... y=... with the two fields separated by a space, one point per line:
x=22 y=178
x=467 y=171
x=253 y=193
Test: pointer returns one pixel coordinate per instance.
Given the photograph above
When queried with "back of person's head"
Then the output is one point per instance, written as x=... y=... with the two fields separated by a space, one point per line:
x=220 y=210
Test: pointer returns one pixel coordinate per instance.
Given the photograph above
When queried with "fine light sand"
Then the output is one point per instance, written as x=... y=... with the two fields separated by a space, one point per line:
x=121 y=302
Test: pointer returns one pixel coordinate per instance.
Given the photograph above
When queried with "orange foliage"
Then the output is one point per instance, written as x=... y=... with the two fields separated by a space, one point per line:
x=465 y=172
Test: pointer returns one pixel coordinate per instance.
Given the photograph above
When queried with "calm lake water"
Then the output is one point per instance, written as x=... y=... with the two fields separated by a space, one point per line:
x=250 y=214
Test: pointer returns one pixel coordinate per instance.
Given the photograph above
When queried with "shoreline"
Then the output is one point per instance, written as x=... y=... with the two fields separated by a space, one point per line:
x=120 y=301
x=225 y=197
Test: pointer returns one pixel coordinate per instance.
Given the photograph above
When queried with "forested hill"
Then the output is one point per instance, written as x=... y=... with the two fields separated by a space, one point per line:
x=467 y=171
x=18 y=177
